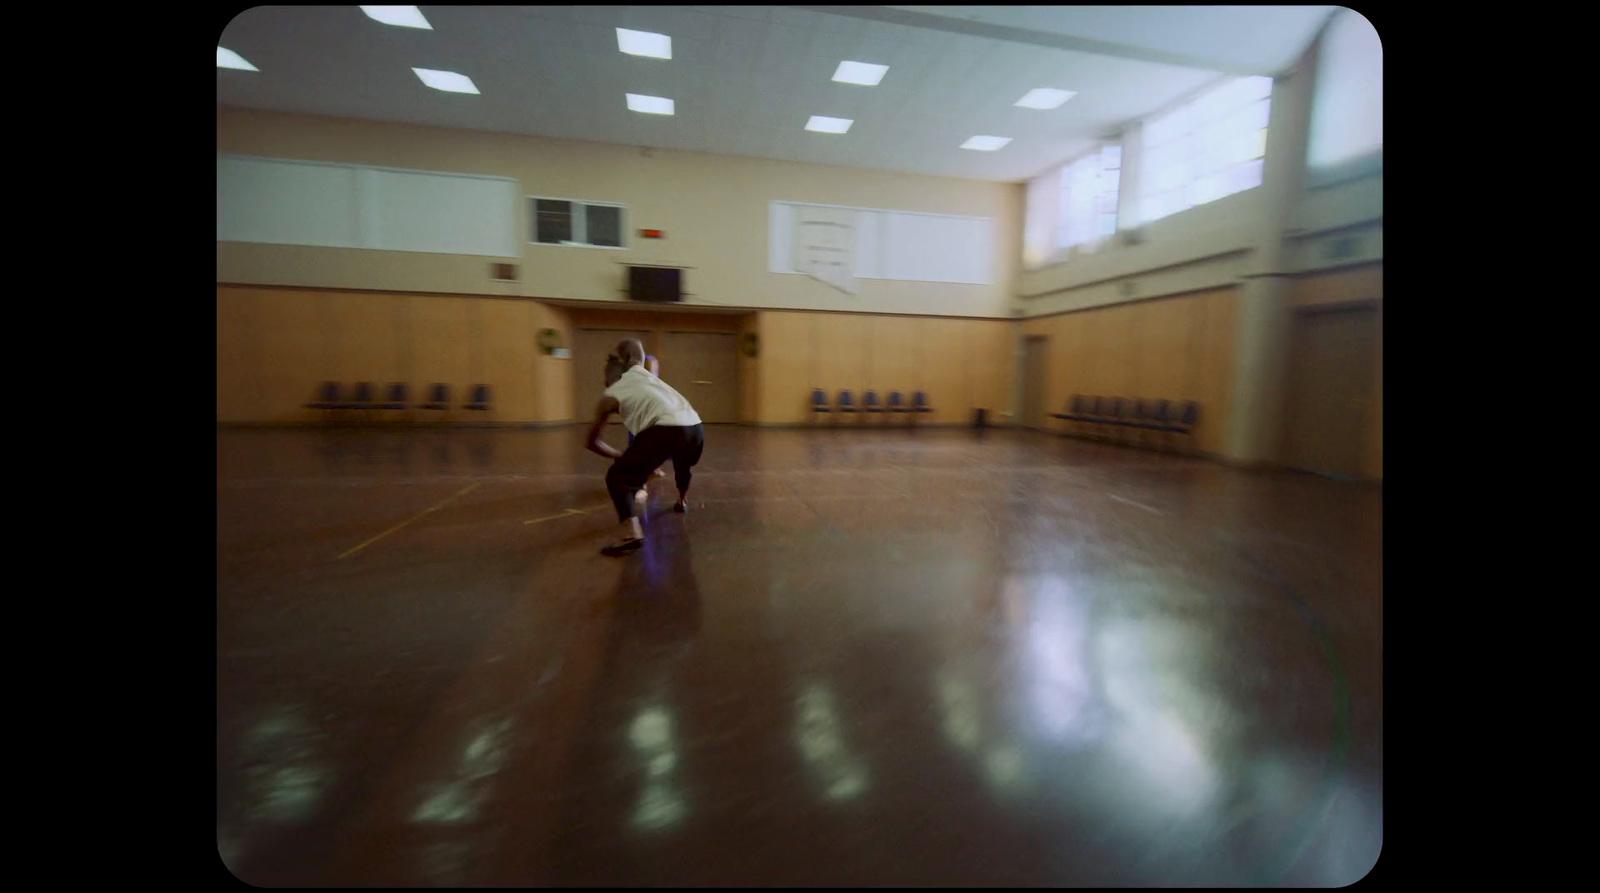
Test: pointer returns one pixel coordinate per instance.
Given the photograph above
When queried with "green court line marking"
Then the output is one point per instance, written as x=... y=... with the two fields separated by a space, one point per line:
x=1273 y=871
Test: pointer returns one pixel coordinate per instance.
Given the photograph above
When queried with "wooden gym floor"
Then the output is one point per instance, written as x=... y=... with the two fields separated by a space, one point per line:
x=864 y=657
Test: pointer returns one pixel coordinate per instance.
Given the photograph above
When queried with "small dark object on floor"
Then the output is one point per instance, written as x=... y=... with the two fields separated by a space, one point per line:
x=623 y=548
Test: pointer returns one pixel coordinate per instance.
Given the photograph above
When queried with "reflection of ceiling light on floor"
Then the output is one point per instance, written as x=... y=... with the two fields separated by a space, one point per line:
x=850 y=782
x=659 y=807
x=458 y=799
x=449 y=805
x=660 y=804
x=819 y=741
x=288 y=780
x=1004 y=766
x=651 y=729
x=960 y=723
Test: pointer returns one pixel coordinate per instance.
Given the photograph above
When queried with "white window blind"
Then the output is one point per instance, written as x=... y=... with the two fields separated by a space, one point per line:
x=903 y=245
x=287 y=203
x=439 y=213
x=278 y=201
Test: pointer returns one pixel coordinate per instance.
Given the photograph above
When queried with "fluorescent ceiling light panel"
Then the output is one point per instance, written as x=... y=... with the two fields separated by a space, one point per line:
x=230 y=59
x=650 y=105
x=1045 y=98
x=644 y=43
x=448 y=81
x=404 y=16
x=864 y=73
x=986 y=143
x=823 y=124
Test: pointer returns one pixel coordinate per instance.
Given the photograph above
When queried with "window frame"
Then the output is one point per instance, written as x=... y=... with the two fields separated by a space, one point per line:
x=1180 y=143
x=1101 y=204
x=580 y=222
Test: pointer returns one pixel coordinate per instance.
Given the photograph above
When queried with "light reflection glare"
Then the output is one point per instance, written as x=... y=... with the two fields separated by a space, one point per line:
x=960 y=707
x=817 y=735
x=459 y=799
x=659 y=807
x=660 y=804
x=287 y=780
x=1058 y=672
x=1004 y=766
x=1151 y=736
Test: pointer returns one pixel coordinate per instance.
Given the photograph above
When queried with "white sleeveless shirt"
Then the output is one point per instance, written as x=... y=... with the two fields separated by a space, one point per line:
x=648 y=401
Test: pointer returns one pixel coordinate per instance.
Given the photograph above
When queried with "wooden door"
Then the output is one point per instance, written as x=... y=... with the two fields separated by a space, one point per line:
x=1035 y=366
x=1331 y=389
x=704 y=367
x=589 y=351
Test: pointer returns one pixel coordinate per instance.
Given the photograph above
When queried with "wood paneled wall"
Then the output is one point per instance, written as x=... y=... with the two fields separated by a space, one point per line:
x=962 y=364
x=275 y=346
x=1178 y=348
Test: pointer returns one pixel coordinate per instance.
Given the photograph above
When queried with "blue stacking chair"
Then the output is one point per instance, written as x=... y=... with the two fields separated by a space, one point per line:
x=480 y=398
x=1074 y=413
x=399 y=397
x=1096 y=409
x=1153 y=415
x=870 y=403
x=847 y=402
x=1184 y=422
x=440 y=399
x=919 y=402
x=897 y=403
x=819 y=401
x=1122 y=413
x=328 y=397
x=366 y=397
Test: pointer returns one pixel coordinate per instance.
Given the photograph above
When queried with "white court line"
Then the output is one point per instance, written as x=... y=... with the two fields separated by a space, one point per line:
x=1153 y=511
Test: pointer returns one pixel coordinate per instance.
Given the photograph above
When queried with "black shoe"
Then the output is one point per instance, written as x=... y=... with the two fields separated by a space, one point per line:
x=680 y=506
x=623 y=547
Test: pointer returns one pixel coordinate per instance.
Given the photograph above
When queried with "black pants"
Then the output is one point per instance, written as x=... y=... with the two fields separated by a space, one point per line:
x=649 y=449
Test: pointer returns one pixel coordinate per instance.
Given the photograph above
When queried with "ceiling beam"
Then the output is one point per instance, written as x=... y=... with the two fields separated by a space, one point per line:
x=931 y=22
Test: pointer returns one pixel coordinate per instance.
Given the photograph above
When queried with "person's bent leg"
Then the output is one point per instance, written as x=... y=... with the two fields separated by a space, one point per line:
x=624 y=479
x=684 y=459
x=657 y=473
x=623 y=486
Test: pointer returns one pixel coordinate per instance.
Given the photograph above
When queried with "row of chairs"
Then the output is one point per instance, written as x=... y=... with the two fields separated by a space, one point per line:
x=1111 y=414
x=869 y=402
x=364 y=396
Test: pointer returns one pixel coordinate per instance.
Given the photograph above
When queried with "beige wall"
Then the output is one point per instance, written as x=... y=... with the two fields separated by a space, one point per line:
x=713 y=210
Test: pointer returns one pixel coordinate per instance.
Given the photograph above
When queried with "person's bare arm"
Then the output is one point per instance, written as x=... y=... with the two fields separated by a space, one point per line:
x=594 y=444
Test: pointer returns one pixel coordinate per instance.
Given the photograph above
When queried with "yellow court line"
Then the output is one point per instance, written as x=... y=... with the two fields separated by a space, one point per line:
x=566 y=513
x=427 y=511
